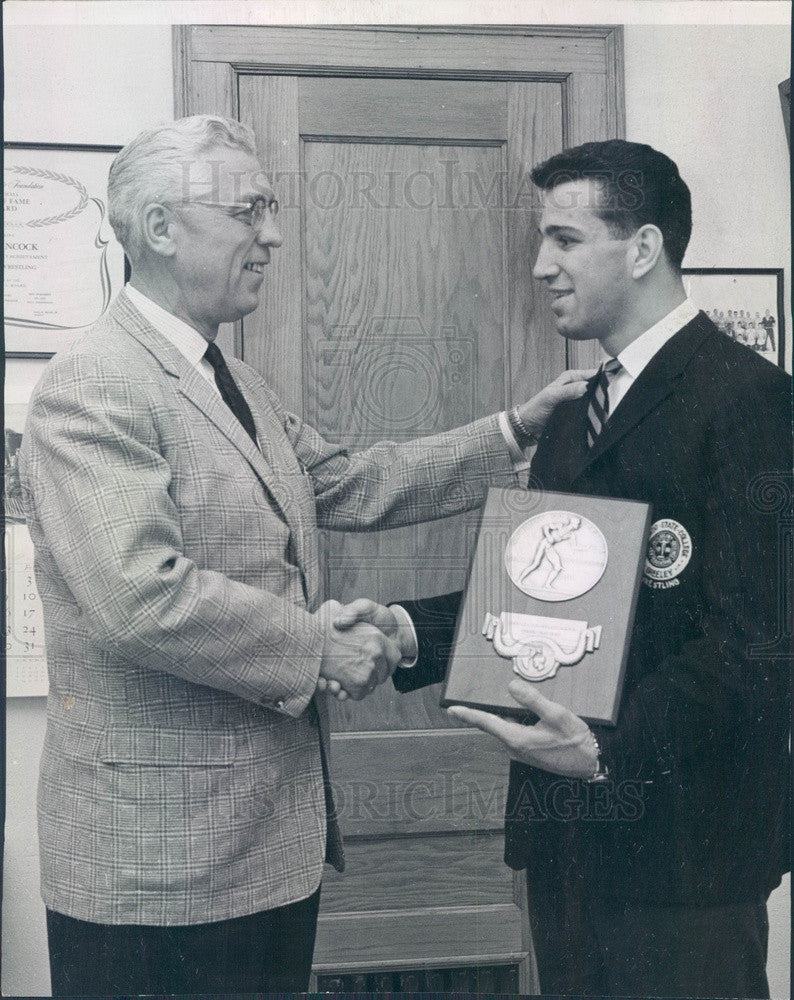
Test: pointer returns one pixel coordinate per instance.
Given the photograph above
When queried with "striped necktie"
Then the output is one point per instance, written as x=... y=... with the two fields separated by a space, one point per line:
x=598 y=410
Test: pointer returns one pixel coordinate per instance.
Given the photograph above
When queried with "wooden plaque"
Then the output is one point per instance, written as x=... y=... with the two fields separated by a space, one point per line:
x=551 y=596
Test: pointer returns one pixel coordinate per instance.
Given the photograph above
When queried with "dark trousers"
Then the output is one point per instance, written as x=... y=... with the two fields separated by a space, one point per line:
x=596 y=947
x=268 y=952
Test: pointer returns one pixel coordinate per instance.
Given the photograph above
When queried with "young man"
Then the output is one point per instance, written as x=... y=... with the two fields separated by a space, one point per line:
x=666 y=898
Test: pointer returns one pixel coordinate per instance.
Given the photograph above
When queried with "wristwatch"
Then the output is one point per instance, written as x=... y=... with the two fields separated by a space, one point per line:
x=601 y=772
x=523 y=435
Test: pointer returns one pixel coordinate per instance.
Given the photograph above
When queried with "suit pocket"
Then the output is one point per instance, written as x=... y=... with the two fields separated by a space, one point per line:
x=168 y=747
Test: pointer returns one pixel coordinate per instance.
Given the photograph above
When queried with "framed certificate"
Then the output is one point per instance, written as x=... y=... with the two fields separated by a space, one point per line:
x=550 y=598
x=63 y=265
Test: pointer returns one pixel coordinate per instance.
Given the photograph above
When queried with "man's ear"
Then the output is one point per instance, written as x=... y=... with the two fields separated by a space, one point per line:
x=158 y=227
x=647 y=248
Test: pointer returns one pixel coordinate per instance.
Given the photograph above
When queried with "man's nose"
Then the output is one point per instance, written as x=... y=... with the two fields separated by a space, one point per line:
x=268 y=233
x=545 y=266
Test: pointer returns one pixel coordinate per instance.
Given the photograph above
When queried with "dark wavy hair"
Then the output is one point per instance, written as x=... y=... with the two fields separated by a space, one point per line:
x=637 y=185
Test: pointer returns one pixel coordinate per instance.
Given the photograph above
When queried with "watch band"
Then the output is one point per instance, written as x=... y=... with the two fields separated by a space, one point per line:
x=601 y=772
x=524 y=435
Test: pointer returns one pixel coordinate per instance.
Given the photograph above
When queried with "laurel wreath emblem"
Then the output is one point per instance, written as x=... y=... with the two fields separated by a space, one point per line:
x=52 y=175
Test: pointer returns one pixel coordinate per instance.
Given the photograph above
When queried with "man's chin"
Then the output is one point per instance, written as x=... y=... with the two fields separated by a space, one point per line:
x=570 y=331
x=244 y=308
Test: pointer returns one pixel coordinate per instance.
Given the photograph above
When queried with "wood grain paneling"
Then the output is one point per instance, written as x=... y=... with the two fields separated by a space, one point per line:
x=528 y=970
x=455 y=871
x=212 y=85
x=535 y=127
x=404 y=336
x=588 y=120
x=436 y=51
x=392 y=783
x=403 y=287
x=411 y=109
x=386 y=709
x=271 y=335
x=404 y=938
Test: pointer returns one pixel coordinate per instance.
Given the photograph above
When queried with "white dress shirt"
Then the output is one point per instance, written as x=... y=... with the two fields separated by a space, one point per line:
x=185 y=338
x=638 y=354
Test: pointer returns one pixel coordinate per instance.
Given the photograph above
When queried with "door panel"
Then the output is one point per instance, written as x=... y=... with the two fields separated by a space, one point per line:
x=465 y=870
x=400 y=304
x=403 y=109
x=412 y=938
x=413 y=344
x=418 y=333
x=408 y=782
x=406 y=295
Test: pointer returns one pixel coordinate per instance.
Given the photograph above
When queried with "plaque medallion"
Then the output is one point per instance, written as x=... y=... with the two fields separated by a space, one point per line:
x=556 y=556
x=538 y=645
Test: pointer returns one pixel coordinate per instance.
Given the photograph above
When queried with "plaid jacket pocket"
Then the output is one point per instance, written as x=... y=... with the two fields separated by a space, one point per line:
x=164 y=747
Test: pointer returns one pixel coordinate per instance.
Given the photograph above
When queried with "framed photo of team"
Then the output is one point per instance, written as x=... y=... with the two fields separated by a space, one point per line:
x=746 y=304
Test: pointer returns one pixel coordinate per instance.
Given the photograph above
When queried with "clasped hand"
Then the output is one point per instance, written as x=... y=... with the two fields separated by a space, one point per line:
x=363 y=646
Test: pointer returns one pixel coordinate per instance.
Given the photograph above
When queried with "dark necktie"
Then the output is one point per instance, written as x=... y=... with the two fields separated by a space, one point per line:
x=227 y=387
x=598 y=410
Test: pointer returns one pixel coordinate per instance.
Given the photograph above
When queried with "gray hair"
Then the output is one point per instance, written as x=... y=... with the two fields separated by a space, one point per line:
x=151 y=167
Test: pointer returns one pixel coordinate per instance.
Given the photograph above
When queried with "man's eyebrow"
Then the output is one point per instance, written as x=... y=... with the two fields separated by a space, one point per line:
x=254 y=194
x=555 y=230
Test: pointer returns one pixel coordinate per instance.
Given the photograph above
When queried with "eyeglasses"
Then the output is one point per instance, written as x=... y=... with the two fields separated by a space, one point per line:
x=250 y=212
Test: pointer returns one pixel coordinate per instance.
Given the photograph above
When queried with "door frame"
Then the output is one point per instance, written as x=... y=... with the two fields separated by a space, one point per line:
x=586 y=61
x=208 y=61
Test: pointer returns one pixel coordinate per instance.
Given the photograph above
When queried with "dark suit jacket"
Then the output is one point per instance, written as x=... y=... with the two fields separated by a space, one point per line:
x=697 y=810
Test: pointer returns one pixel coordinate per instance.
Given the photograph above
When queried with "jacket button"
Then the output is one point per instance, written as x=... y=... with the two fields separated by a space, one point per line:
x=280 y=704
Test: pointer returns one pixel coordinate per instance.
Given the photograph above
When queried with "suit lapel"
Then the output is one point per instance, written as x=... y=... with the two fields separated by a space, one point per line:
x=654 y=383
x=557 y=466
x=193 y=385
x=288 y=484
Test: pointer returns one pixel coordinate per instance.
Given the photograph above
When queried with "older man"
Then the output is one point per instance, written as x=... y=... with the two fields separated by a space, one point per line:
x=184 y=803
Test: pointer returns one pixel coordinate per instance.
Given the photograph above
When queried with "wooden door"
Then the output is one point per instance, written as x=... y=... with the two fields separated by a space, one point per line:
x=402 y=303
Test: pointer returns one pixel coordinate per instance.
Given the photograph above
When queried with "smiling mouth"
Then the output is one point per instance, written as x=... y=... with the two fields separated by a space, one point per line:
x=258 y=267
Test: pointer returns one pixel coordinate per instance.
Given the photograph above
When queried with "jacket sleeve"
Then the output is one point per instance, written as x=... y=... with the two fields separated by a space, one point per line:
x=393 y=484
x=434 y=619
x=108 y=534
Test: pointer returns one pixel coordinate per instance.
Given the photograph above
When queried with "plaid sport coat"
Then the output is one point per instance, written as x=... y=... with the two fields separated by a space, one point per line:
x=182 y=778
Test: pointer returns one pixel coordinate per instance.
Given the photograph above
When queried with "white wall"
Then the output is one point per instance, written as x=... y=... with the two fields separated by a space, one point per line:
x=62 y=84
x=101 y=84
x=707 y=96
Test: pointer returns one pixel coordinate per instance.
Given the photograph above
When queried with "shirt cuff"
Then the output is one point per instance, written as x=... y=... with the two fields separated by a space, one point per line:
x=405 y=621
x=518 y=456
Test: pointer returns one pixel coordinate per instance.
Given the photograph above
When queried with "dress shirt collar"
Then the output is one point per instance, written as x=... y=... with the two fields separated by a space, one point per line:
x=187 y=340
x=639 y=352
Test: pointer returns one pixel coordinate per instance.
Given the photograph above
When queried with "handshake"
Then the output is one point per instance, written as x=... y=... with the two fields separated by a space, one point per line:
x=364 y=644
